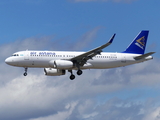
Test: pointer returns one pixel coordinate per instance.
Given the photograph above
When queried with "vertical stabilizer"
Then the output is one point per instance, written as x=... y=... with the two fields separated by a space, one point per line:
x=138 y=45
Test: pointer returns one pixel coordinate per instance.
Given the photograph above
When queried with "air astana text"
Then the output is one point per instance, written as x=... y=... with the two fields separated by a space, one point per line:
x=42 y=53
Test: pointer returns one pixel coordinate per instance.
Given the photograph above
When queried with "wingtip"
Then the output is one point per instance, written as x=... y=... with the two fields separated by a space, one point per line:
x=112 y=38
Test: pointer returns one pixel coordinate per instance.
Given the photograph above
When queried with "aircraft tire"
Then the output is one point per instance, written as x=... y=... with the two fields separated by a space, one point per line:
x=25 y=74
x=79 y=72
x=72 y=77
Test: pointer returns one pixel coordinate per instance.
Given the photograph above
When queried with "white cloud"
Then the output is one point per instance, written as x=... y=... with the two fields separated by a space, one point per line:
x=60 y=115
x=153 y=114
x=85 y=39
x=37 y=97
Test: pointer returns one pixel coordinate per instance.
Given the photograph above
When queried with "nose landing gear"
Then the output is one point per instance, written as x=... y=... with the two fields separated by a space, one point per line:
x=25 y=73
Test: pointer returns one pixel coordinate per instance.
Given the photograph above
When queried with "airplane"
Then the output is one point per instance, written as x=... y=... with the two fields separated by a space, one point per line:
x=56 y=63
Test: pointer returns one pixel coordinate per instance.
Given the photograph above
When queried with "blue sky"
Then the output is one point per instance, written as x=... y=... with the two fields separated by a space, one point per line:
x=125 y=93
x=69 y=20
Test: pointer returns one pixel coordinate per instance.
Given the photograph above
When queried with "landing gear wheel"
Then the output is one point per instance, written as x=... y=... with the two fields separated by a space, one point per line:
x=79 y=72
x=72 y=77
x=25 y=74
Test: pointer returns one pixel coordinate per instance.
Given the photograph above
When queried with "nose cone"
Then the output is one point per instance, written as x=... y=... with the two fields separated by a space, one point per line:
x=8 y=61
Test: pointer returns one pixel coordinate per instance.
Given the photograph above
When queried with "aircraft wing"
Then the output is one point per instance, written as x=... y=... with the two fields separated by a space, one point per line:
x=82 y=59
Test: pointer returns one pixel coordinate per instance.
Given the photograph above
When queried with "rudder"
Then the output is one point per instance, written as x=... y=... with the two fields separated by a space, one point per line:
x=138 y=45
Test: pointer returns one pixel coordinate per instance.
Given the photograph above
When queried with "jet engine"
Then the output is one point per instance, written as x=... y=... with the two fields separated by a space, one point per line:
x=54 y=72
x=61 y=64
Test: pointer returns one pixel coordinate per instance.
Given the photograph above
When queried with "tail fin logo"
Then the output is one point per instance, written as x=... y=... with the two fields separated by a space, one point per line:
x=140 y=42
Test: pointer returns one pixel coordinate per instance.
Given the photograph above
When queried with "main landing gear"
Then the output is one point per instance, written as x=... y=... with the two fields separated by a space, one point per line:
x=25 y=73
x=72 y=77
x=79 y=72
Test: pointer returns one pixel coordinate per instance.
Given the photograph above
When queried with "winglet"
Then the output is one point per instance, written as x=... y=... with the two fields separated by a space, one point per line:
x=107 y=44
x=110 y=41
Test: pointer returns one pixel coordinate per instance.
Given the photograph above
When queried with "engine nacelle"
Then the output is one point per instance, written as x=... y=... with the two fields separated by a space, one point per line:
x=61 y=64
x=54 y=72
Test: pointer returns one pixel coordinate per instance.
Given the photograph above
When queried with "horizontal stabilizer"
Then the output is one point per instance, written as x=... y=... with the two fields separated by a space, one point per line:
x=143 y=56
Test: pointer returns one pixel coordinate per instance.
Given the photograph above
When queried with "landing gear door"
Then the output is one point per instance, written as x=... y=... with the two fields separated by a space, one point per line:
x=26 y=55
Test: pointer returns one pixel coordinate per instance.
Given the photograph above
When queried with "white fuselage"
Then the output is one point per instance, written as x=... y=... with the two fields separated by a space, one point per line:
x=56 y=63
x=41 y=59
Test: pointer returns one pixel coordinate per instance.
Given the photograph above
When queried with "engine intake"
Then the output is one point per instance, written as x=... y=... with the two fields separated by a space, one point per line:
x=54 y=72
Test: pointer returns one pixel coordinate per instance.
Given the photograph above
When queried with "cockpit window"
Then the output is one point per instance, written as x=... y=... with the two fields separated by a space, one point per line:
x=15 y=55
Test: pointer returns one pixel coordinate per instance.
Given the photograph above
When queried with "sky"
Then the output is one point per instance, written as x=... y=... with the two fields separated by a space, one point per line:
x=125 y=93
